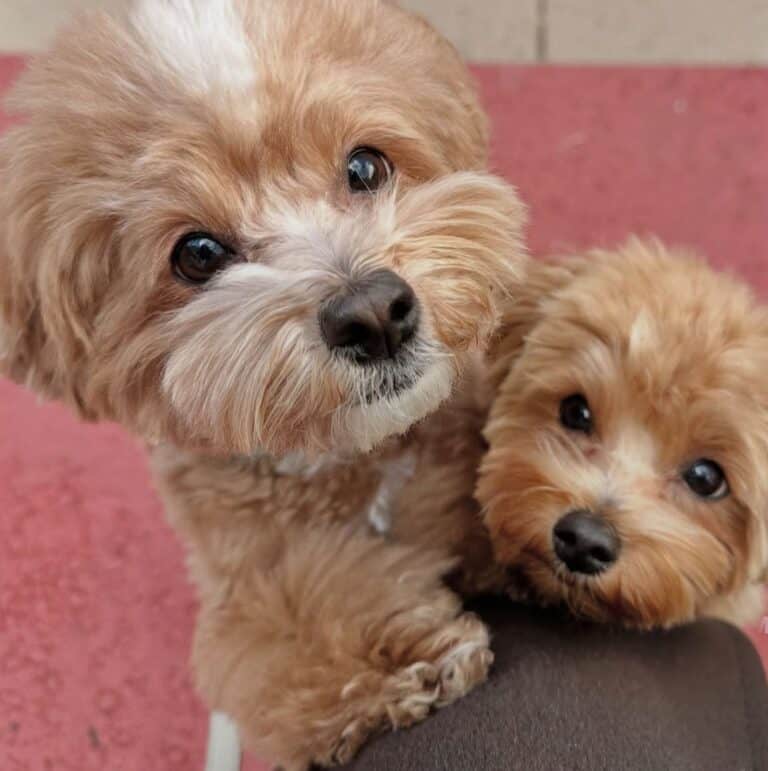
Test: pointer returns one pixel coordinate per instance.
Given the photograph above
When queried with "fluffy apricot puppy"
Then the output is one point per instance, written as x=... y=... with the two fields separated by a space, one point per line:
x=260 y=235
x=629 y=439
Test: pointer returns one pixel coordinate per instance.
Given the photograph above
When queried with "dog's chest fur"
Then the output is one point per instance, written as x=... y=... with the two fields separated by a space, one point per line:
x=417 y=489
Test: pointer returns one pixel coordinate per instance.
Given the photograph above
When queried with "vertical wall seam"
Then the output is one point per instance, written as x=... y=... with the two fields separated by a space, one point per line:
x=542 y=30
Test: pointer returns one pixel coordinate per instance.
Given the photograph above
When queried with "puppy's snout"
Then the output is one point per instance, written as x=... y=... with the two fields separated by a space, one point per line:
x=585 y=542
x=371 y=319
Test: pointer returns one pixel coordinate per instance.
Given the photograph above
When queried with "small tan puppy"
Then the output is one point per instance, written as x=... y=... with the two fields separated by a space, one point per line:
x=626 y=475
x=259 y=234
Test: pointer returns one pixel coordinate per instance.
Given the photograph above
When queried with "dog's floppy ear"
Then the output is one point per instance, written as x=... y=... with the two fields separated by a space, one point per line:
x=22 y=334
x=53 y=259
x=760 y=532
x=27 y=340
x=524 y=309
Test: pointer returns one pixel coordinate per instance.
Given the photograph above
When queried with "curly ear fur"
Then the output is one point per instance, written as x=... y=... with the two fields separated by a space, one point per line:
x=48 y=286
x=523 y=311
x=55 y=250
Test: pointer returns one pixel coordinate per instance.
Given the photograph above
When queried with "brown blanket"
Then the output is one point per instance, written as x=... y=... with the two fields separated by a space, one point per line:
x=572 y=696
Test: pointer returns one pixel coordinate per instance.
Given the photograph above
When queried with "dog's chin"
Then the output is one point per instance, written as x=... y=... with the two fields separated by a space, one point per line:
x=402 y=397
x=545 y=581
x=394 y=383
x=388 y=379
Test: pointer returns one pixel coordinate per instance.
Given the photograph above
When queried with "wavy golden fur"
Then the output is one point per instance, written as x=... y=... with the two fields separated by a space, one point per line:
x=671 y=357
x=235 y=118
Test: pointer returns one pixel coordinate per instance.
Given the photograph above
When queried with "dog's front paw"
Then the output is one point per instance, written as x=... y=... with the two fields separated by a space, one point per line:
x=462 y=659
x=404 y=698
x=467 y=662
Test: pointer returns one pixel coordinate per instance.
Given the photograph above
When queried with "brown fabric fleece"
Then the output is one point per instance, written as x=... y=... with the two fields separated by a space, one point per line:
x=571 y=695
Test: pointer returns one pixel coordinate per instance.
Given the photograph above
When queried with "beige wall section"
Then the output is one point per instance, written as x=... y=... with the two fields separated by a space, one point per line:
x=657 y=31
x=28 y=25
x=485 y=30
x=602 y=31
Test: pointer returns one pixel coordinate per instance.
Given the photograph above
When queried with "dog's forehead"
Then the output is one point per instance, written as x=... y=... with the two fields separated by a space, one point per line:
x=671 y=321
x=639 y=356
x=255 y=76
x=230 y=46
x=202 y=43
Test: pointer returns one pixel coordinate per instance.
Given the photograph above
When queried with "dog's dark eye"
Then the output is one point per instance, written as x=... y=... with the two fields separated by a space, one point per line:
x=576 y=415
x=367 y=170
x=707 y=479
x=198 y=257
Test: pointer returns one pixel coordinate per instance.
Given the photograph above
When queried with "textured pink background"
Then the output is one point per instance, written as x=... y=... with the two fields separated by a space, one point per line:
x=95 y=611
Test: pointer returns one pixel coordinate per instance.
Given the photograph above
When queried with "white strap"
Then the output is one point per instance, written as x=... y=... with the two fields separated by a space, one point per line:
x=223 y=745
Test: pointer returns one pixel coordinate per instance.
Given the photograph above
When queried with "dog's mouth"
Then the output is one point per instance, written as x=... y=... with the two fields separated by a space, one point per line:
x=542 y=579
x=537 y=569
x=387 y=379
x=393 y=383
x=389 y=400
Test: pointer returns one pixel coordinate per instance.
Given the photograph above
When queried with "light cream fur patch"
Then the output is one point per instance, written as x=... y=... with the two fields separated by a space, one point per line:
x=202 y=43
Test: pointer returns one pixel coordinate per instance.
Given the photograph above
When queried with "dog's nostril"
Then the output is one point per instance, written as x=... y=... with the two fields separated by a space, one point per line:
x=567 y=537
x=585 y=542
x=400 y=308
x=601 y=554
x=372 y=319
x=355 y=333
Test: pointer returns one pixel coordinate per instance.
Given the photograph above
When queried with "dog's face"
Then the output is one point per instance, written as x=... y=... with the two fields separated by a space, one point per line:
x=626 y=475
x=251 y=224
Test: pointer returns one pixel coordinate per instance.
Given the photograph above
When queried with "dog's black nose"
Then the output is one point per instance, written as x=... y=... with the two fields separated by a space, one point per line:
x=585 y=542
x=372 y=319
